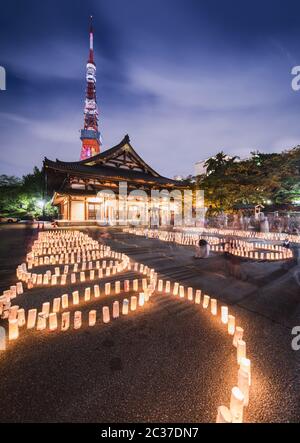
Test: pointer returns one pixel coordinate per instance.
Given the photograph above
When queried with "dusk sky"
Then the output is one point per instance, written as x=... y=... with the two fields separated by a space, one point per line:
x=184 y=78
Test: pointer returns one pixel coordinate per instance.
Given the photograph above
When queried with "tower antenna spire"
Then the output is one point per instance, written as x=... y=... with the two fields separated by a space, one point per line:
x=90 y=135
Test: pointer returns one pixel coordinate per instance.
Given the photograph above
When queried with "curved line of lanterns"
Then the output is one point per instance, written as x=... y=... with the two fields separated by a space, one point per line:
x=89 y=262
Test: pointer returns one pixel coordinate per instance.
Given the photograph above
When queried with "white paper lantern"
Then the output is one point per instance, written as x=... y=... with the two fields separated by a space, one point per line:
x=2 y=339
x=125 y=306
x=92 y=317
x=231 y=324
x=206 y=299
x=105 y=314
x=41 y=321
x=64 y=301
x=21 y=317
x=141 y=299
x=237 y=405
x=238 y=335
x=87 y=294
x=77 y=320
x=190 y=294
x=243 y=385
x=107 y=288
x=224 y=314
x=223 y=415
x=133 y=303
x=31 y=320
x=13 y=329
x=198 y=297
x=46 y=308
x=245 y=365
x=96 y=291
x=75 y=296
x=213 y=306
x=56 y=304
x=65 y=321
x=53 y=321
x=116 y=309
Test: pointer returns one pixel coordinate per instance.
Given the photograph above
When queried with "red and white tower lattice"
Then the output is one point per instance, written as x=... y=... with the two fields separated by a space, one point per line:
x=90 y=135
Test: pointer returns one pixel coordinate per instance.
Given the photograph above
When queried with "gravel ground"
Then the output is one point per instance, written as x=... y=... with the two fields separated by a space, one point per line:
x=169 y=362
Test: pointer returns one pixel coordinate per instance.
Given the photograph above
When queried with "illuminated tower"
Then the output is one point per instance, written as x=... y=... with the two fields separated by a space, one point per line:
x=90 y=135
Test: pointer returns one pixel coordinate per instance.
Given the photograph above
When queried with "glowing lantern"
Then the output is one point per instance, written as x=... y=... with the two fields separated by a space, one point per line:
x=105 y=314
x=21 y=317
x=13 y=290
x=46 y=308
x=64 y=301
x=223 y=415
x=92 y=317
x=100 y=273
x=13 y=329
x=198 y=297
x=126 y=285
x=56 y=304
x=77 y=320
x=53 y=280
x=107 y=273
x=175 y=288
x=107 y=288
x=13 y=312
x=144 y=284
x=231 y=324
x=116 y=309
x=224 y=314
x=168 y=287
x=52 y=321
x=2 y=339
x=41 y=321
x=190 y=293
x=45 y=279
x=117 y=287
x=245 y=365
x=125 y=306
x=57 y=271
x=243 y=385
x=87 y=294
x=206 y=299
x=237 y=405
x=31 y=320
x=241 y=350
x=141 y=299
x=82 y=276
x=181 y=291
x=213 y=306
x=75 y=296
x=133 y=303
x=65 y=321
x=96 y=291
x=135 y=285
x=160 y=286
x=238 y=335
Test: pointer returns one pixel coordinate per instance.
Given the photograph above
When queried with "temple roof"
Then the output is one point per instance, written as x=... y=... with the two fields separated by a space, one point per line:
x=120 y=162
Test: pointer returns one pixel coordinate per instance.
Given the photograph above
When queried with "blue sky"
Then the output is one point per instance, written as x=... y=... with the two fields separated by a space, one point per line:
x=184 y=78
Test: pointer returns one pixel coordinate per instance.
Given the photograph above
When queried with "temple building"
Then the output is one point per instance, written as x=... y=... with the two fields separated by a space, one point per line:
x=74 y=186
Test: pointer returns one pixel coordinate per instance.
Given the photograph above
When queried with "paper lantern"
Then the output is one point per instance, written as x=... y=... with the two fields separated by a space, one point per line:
x=243 y=385
x=13 y=329
x=105 y=314
x=46 y=308
x=238 y=335
x=213 y=306
x=52 y=321
x=237 y=405
x=53 y=280
x=82 y=276
x=190 y=294
x=77 y=320
x=206 y=299
x=92 y=317
x=241 y=350
x=2 y=339
x=135 y=285
x=141 y=299
x=66 y=269
x=116 y=309
x=57 y=271
x=21 y=317
x=224 y=314
x=223 y=415
x=175 y=288
x=126 y=285
x=125 y=306
x=56 y=304
x=31 y=319
x=168 y=287
x=87 y=294
x=117 y=287
x=181 y=291
x=231 y=324
x=41 y=321
x=198 y=297
x=13 y=312
x=144 y=283
x=64 y=301
x=107 y=273
x=96 y=291
x=45 y=279
x=160 y=285
x=133 y=303
x=65 y=321
x=245 y=365
x=100 y=273
x=107 y=288
x=63 y=280
x=75 y=296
